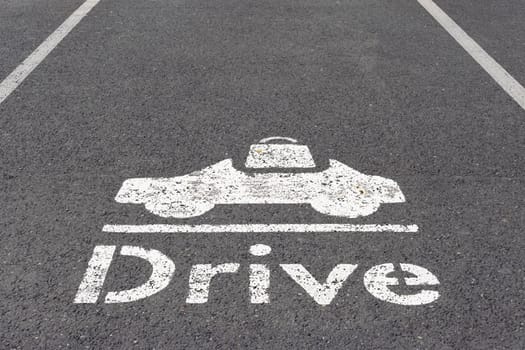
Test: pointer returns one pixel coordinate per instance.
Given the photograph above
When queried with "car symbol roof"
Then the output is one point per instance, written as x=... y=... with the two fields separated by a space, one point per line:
x=270 y=154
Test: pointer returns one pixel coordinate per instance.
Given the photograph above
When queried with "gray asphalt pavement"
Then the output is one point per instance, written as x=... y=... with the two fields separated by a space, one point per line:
x=24 y=24
x=496 y=26
x=164 y=88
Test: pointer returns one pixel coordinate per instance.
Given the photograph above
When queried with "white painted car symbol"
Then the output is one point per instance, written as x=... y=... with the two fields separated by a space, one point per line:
x=337 y=191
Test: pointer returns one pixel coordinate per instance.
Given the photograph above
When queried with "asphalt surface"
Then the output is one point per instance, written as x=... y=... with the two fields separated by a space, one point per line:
x=496 y=26
x=163 y=88
x=24 y=24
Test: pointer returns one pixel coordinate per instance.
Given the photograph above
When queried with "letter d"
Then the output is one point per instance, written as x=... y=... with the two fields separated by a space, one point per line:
x=91 y=285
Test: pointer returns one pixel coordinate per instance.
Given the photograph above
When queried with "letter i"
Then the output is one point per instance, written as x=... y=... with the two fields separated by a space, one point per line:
x=259 y=276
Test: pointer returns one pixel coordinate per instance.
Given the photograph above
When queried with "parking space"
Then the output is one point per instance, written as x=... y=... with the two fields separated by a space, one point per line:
x=166 y=88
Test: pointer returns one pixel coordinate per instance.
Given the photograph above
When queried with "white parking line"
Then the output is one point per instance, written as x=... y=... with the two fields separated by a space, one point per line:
x=36 y=57
x=495 y=70
x=259 y=228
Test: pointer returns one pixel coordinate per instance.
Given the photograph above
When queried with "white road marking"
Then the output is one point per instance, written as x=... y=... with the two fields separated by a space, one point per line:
x=260 y=249
x=259 y=276
x=91 y=285
x=324 y=293
x=337 y=191
x=259 y=284
x=21 y=72
x=266 y=155
x=200 y=280
x=377 y=283
x=493 y=68
x=161 y=274
x=95 y=275
x=259 y=228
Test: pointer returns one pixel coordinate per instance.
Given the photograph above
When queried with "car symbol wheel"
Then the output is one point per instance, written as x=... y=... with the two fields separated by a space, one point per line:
x=180 y=210
x=342 y=207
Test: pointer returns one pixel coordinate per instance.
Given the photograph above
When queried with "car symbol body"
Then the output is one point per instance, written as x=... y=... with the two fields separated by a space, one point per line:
x=338 y=191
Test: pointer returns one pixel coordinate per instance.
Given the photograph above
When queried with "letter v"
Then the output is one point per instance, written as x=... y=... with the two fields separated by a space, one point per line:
x=323 y=294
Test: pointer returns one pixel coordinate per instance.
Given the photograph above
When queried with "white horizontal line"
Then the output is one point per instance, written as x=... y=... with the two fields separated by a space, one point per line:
x=320 y=228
